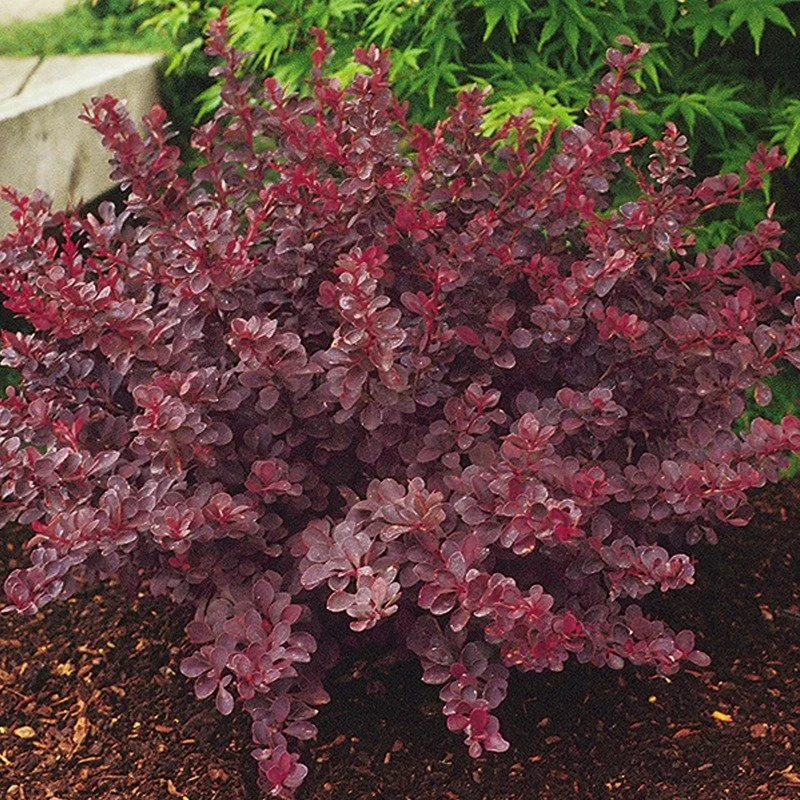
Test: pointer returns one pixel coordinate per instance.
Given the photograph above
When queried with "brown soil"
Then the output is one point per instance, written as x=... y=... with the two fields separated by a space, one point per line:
x=91 y=707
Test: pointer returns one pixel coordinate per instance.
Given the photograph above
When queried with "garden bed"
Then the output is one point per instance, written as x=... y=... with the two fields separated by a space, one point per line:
x=92 y=707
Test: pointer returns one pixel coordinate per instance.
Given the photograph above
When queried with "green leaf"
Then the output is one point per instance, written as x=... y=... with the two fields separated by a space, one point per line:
x=572 y=35
x=546 y=107
x=689 y=113
x=507 y=10
x=651 y=71
x=493 y=13
x=669 y=11
x=755 y=15
x=755 y=22
x=718 y=105
x=183 y=55
x=777 y=16
x=702 y=19
x=8 y=377
x=756 y=26
x=382 y=25
x=549 y=30
x=207 y=102
x=584 y=23
x=787 y=130
x=791 y=143
x=339 y=9
x=408 y=58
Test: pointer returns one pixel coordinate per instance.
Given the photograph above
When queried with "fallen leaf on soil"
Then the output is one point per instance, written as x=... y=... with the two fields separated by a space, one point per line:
x=79 y=732
x=25 y=732
x=683 y=733
x=217 y=774
x=335 y=743
x=721 y=716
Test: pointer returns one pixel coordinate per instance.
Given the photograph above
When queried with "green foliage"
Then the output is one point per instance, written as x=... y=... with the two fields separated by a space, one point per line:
x=83 y=29
x=787 y=128
x=440 y=45
x=726 y=17
x=115 y=8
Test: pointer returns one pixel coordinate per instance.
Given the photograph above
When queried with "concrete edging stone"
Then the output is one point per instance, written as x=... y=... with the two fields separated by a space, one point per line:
x=43 y=143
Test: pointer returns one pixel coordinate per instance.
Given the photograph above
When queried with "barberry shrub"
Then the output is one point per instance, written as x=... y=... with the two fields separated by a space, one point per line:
x=443 y=384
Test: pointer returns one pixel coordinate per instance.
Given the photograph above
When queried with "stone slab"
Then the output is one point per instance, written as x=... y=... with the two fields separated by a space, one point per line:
x=84 y=72
x=14 y=72
x=44 y=145
x=16 y=10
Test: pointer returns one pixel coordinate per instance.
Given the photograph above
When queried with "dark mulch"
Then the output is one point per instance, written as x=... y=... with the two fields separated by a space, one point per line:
x=91 y=707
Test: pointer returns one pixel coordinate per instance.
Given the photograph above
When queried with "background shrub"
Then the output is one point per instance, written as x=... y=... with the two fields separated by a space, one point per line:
x=440 y=384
